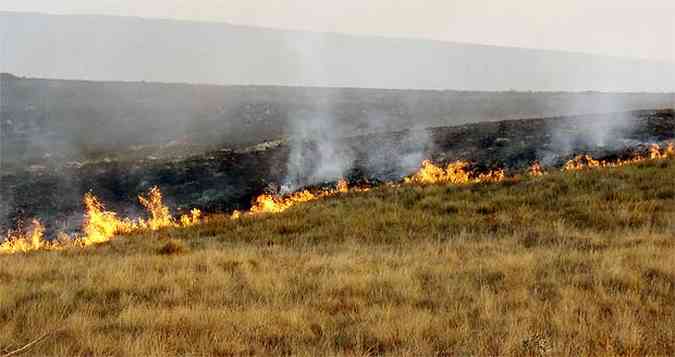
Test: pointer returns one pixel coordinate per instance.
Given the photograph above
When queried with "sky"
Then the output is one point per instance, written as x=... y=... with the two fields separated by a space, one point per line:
x=624 y=28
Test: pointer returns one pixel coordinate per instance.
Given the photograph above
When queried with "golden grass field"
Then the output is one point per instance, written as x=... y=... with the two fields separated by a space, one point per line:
x=576 y=263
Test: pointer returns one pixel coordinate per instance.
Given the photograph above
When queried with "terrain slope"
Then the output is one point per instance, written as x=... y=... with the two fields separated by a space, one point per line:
x=570 y=263
x=223 y=179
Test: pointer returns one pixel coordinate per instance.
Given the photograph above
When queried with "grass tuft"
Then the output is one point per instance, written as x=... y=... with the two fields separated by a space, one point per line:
x=173 y=247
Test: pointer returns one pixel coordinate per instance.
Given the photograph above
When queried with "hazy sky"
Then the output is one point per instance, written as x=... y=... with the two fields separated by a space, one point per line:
x=631 y=28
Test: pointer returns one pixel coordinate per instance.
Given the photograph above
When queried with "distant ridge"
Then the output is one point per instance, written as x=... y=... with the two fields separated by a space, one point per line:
x=114 y=48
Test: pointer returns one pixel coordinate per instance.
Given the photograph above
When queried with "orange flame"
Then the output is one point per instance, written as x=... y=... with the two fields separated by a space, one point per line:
x=430 y=173
x=655 y=152
x=455 y=173
x=192 y=219
x=267 y=203
x=535 y=169
x=160 y=216
x=101 y=225
x=582 y=162
x=23 y=242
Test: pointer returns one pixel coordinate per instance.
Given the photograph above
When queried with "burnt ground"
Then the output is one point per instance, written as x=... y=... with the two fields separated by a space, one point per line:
x=222 y=180
x=66 y=120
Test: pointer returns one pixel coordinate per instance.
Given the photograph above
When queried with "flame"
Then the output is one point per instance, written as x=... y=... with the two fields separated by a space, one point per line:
x=430 y=173
x=192 y=219
x=342 y=186
x=236 y=214
x=655 y=152
x=455 y=173
x=101 y=225
x=275 y=204
x=23 y=242
x=267 y=203
x=582 y=162
x=160 y=216
x=535 y=169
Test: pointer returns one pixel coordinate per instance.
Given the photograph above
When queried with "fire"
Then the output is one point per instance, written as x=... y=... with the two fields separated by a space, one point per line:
x=582 y=162
x=455 y=173
x=236 y=214
x=267 y=203
x=342 y=186
x=430 y=173
x=192 y=219
x=23 y=242
x=101 y=225
x=535 y=170
x=275 y=204
x=160 y=216
x=655 y=152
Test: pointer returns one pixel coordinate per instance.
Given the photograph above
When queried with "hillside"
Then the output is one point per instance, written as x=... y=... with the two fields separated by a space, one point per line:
x=45 y=120
x=107 y=48
x=222 y=179
x=573 y=263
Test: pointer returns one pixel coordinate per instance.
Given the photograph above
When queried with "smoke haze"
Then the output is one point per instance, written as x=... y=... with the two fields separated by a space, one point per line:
x=133 y=49
x=56 y=121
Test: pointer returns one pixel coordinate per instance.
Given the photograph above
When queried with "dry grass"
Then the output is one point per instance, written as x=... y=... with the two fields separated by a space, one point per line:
x=567 y=264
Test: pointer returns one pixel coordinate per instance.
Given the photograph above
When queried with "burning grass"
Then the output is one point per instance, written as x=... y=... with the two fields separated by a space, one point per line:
x=456 y=173
x=22 y=241
x=656 y=152
x=100 y=225
x=568 y=263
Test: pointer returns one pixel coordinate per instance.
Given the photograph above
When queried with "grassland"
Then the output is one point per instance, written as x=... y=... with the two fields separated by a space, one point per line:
x=576 y=263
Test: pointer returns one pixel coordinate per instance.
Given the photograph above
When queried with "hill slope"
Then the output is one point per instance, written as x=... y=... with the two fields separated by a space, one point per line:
x=570 y=263
x=221 y=180
x=74 y=120
x=119 y=48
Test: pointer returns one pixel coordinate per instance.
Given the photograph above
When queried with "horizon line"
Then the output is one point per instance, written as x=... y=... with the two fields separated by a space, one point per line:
x=299 y=86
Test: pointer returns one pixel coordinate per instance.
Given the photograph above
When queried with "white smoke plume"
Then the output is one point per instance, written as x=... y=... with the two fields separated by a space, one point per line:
x=590 y=132
x=316 y=153
x=319 y=149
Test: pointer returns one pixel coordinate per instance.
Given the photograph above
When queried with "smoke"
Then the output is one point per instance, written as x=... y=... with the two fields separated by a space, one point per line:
x=590 y=132
x=325 y=148
x=317 y=153
x=400 y=152
x=326 y=145
x=322 y=150
x=417 y=145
